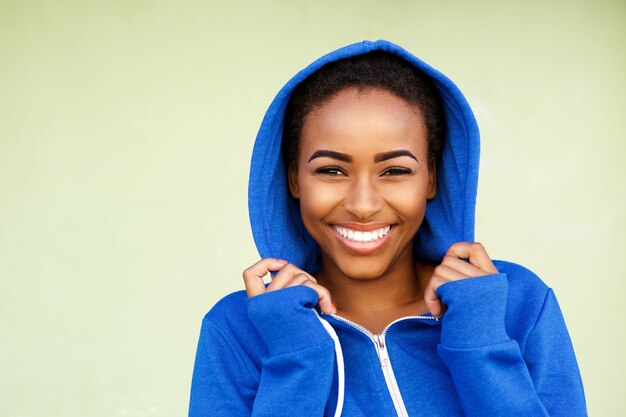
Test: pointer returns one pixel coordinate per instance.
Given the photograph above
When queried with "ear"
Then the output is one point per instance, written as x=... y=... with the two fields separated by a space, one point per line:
x=432 y=180
x=292 y=179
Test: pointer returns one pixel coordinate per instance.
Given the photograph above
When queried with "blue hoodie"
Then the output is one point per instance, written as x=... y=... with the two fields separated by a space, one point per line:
x=500 y=349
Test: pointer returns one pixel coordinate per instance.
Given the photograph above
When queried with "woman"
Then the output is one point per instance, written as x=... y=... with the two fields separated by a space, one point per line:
x=361 y=197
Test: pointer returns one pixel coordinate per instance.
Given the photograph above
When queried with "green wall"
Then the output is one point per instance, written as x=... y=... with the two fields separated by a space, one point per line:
x=125 y=134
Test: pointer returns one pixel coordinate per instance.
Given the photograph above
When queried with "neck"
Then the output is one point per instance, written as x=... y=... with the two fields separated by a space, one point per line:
x=400 y=286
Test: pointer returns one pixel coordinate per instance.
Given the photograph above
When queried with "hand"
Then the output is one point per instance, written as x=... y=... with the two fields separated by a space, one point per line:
x=462 y=260
x=288 y=275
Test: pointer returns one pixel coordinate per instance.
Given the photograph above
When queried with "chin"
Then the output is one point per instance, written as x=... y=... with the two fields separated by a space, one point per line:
x=362 y=268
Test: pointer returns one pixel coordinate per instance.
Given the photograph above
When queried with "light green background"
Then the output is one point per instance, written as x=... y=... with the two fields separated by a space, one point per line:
x=125 y=135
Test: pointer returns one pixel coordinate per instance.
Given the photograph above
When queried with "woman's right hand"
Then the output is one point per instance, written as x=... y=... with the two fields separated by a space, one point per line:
x=288 y=275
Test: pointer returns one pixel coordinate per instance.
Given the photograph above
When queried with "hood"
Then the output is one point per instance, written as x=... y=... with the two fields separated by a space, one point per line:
x=275 y=216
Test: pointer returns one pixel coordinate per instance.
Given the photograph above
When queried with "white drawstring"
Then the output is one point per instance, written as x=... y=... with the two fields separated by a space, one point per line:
x=340 y=368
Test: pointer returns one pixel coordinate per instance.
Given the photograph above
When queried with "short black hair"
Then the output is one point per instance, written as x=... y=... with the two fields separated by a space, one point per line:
x=378 y=69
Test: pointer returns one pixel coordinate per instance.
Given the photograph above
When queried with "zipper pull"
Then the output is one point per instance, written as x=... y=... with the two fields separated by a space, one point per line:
x=380 y=341
x=380 y=350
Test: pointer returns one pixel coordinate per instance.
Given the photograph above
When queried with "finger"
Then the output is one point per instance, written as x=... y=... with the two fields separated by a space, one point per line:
x=285 y=275
x=323 y=296
x=475 y=253
x=442 y=274
x=447 y=273
x=299 y=279
x=253 y=276
x=433 y=303
x=465 y=268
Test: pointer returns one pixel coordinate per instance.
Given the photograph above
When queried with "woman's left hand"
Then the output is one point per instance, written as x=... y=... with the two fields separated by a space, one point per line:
x=462 y=260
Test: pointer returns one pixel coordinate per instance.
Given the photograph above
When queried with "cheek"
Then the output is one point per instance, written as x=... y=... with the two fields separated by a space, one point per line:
x=316 y=203
x=409 y=202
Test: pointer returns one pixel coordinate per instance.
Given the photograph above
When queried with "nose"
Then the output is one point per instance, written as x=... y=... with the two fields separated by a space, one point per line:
x=363 y=200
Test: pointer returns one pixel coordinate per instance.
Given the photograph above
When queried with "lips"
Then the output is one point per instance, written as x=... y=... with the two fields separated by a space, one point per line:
x=362 y=236
x=363 y=242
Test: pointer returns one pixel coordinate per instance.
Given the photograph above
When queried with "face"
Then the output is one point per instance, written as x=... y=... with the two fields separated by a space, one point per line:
x=363 y=181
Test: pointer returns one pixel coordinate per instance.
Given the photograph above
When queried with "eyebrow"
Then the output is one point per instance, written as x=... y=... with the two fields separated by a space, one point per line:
x=330 y=154
x=393 y=154
x=380 y=157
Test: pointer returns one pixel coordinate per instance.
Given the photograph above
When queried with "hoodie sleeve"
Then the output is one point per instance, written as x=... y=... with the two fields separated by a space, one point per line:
x=221 y=384
x=491 y=375
x=296 y=375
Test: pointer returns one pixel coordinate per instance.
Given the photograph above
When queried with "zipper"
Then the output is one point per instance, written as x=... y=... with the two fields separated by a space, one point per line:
x=383 y=356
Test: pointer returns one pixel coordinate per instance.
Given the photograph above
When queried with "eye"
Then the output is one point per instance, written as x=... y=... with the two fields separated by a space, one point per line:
x=332 y=171
x=396 y=171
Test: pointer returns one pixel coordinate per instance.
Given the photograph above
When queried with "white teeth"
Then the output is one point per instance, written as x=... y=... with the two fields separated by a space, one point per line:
x=358 y=236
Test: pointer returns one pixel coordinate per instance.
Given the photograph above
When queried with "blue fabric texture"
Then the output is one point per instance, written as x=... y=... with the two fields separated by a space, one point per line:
x=500 y=349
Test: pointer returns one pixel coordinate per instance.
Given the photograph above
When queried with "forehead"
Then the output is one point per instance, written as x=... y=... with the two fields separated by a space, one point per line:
x=364 y=121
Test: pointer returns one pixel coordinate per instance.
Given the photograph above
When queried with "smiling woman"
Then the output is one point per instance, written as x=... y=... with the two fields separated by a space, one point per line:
x=363 y=167
x=362 y=192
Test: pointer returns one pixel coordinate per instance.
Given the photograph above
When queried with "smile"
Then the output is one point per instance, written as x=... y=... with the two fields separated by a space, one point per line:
x=361 y=236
